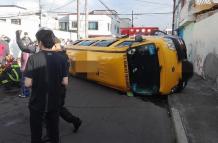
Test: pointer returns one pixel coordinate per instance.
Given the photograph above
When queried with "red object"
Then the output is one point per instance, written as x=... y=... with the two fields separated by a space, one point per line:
x=138 y=30
x=2 y=47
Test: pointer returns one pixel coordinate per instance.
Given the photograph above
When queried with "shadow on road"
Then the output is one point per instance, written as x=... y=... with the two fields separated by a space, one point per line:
x=161 y=101
x=9 y=91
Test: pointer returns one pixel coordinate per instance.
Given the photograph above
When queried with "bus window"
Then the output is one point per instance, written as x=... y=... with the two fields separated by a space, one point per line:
x=104 y=43
x=125 y=43
x=86 y=43
x=170 y=43
x=77 y=42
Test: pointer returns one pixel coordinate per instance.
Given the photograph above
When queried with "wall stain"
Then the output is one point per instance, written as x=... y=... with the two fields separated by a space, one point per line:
x=204 y=65
x=210 y=66
x=195 y=57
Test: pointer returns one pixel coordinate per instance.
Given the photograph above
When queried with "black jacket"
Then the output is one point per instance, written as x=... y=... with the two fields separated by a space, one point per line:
x=47 y=70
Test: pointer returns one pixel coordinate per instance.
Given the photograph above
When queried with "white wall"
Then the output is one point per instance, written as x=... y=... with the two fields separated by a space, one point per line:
x=202 y=43
x=103 y=21
x=200 y=33
x=49 y=21
x=65 y=35
x=115 y=23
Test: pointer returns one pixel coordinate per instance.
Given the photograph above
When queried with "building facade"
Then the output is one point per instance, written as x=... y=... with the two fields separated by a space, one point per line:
x=125 y=23
x=196 y=22
x=26 y=19
x=14 y=17
x=100 y=23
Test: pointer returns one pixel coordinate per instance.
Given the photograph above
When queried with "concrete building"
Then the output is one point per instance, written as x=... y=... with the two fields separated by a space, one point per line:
x=100 y=23
x=14 y=17
x=196 y=21
x=125 y=23
x=26 y=19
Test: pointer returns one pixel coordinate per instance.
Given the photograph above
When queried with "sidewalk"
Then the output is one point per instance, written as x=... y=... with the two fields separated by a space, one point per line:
x=197 y=109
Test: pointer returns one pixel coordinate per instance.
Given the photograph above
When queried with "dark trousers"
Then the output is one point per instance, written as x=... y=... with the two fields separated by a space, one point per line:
x=52 y=124
x=67 y=116
x=24 y=90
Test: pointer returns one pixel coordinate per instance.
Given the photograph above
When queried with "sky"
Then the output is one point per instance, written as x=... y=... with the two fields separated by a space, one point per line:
x=121 y=6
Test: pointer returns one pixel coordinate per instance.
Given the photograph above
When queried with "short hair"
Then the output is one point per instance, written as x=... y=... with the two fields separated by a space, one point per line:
x=57 y=40
x=47 y=37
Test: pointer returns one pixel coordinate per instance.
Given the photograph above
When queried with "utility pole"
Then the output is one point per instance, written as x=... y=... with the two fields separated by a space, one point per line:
x=40 y=14
x=86 y=19
x=173 y=22
x=78 y=19
x=132 y=19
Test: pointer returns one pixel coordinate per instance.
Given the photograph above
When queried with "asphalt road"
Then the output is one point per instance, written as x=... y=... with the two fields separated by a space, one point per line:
x=108 y=117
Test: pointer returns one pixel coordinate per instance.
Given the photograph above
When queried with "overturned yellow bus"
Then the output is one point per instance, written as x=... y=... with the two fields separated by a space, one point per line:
x=152 y=65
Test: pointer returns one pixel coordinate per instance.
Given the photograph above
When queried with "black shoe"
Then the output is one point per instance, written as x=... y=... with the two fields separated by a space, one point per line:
x=45 y=139
x=77 y=125
x=22 y=96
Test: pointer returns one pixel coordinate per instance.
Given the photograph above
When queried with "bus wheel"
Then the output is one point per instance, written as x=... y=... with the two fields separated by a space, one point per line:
x=181 y=86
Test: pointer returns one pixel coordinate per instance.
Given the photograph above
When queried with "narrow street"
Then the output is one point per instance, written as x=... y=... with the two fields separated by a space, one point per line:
x=107 y=117
x=141 y=47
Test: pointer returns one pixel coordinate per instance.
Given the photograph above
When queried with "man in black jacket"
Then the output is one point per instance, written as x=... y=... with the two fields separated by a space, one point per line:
x=64 y=112
x=46 y=73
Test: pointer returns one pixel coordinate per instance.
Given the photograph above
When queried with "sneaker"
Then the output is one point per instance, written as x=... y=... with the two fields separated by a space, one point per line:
x=77 y=125
x=22 y=96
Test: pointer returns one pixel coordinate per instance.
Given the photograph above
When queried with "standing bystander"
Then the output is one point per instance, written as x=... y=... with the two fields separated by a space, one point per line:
x=64 y=112
x=25 y=92
x=46 y=73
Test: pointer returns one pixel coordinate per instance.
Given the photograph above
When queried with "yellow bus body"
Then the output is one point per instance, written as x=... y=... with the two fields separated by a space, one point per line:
x=118 y=67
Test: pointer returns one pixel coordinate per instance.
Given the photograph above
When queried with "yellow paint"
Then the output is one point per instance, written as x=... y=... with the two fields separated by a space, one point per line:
x=109 y=65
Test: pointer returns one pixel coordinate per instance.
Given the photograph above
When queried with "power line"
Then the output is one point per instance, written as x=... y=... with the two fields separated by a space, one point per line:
x=155 y=3
x=147 y=13
x=37 y=13
x=152 y=13
x=64 y=5
x=106 y=7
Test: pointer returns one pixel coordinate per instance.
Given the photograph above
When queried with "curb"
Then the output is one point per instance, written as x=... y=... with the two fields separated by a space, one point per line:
x=178 y=126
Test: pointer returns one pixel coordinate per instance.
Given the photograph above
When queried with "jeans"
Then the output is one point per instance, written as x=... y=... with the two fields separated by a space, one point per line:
x=24 y=90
